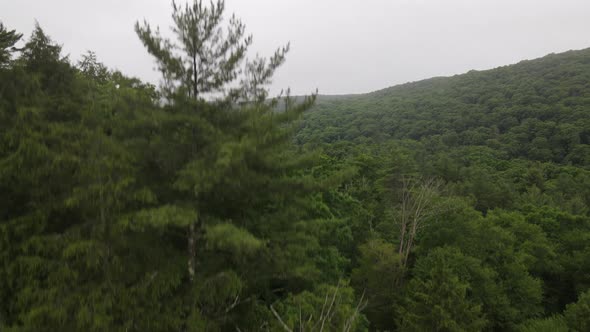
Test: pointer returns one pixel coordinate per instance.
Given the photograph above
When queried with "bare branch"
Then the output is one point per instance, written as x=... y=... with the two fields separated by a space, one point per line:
x=276 y=314
x=417 y=205
x=359 y=307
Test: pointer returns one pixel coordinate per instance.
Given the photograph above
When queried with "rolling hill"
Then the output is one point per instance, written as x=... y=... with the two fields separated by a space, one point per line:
x=538 y=109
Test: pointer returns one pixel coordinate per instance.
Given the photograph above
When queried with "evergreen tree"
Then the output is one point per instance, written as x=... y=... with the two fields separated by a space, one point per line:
x=42 y=57
x=8 y=38
x=237 y=183
x=205 y=58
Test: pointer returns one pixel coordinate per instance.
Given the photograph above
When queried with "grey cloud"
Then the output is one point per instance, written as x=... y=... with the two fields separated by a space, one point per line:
x=337 y=46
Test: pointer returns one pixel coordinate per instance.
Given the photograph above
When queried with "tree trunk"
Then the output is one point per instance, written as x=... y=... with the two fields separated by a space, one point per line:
x=192 y=248
x=194 y=227
x=195 y=76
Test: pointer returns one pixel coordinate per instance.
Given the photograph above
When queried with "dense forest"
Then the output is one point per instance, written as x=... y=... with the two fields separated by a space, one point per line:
x=450 y=204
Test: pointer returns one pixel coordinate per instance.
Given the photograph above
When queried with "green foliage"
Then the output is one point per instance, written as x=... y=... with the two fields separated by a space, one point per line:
x=509 y=146
x=228 y=237
x=451 y=204
x=531 y=110
x=551 y=324
x=159 y=218
x=517 y=294
x=104 y=185
x=577 y=314
x=207 y=55
x=7 y=40
x=328 y=308
x=379 y=276
x=209 y=58
x=437 y=299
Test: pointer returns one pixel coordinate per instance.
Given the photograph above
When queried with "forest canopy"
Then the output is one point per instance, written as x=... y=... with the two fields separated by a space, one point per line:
x=450 y=204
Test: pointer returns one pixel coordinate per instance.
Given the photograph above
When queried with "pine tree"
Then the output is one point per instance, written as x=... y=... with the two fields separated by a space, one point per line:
x=8 y=38
x=246 y=198
x=209 y=58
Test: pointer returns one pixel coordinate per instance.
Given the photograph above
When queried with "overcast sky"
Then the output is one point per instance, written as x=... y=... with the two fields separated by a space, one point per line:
x=337 y=46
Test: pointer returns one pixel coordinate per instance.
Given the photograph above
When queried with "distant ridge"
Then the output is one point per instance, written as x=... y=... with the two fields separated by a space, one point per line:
x=538 y=108
x=410 y=84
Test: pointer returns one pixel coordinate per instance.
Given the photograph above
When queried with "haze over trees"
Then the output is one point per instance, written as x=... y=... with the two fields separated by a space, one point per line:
x=450 y=204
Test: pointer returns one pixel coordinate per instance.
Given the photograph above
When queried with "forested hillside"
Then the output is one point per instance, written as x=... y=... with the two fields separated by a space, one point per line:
x=450 y=204
x=481 y=183
x=535 y=109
